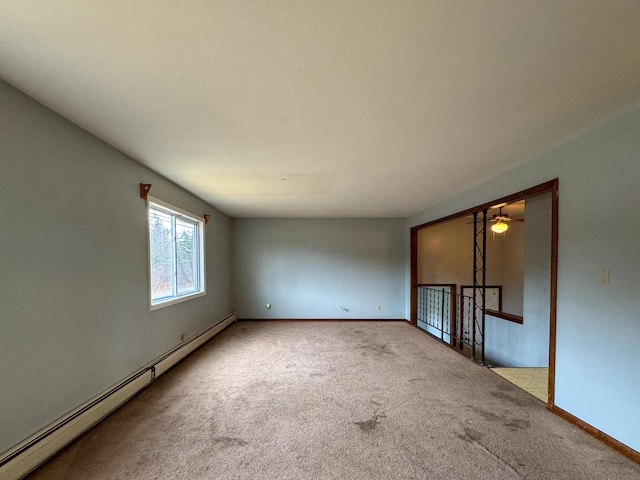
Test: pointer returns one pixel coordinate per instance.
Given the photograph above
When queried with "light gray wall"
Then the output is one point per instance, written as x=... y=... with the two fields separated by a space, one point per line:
x=74 y=318
x=510 y=344
x=597 y=378
x=312 y=268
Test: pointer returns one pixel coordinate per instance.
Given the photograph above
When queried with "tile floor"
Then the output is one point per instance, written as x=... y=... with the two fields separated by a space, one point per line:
x=531 y=380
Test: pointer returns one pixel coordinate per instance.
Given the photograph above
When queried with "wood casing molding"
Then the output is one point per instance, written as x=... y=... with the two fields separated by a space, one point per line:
x=553 y=294
x=413 y=262
x=600 y=435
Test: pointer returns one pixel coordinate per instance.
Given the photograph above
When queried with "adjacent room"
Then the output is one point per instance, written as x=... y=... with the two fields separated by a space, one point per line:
x=338 y=239
x=499 y=258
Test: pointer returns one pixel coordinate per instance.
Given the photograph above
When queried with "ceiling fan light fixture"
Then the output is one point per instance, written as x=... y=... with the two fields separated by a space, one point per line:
x=499 y=227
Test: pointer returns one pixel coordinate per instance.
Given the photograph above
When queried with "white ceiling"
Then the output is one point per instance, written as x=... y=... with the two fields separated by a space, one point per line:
x=332 y=108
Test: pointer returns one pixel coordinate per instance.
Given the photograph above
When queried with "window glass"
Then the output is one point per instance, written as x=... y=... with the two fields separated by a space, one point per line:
x=176 y=256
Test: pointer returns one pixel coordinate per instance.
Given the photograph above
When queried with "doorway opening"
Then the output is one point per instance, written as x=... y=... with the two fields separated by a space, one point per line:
x=483 y=281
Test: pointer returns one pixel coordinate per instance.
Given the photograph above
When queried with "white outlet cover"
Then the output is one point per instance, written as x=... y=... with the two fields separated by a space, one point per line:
x=603 y=275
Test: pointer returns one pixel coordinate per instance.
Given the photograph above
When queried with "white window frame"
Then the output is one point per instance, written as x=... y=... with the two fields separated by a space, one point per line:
x=177 y=213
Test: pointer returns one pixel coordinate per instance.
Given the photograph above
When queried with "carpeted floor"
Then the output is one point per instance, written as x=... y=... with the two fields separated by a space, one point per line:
x=333 y=400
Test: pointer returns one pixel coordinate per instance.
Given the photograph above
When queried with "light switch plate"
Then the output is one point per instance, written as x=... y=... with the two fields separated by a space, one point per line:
x=604 y=276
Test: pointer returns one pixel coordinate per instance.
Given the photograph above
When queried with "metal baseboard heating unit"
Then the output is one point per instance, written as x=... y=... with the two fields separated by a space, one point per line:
x=35 y=450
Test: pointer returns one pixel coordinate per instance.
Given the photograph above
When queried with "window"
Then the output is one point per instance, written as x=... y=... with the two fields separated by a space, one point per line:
x=176 y=255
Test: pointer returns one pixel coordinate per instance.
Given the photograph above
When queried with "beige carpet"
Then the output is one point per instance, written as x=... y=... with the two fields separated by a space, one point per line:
x=532 y=380
x=334 y=400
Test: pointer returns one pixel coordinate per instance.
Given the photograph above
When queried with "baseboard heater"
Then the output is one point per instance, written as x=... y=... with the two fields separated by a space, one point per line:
x=35 y=450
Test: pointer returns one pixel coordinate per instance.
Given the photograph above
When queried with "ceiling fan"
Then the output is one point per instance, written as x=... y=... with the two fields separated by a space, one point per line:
x=501 y=221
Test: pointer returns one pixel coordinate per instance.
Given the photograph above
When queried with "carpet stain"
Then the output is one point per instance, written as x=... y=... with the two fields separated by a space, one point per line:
x=517 y=424
x=517 y=401
x=485 y=414
x=376 y=348
x=512 y=425
x=371 y=424
x=470 y=435
x=316 y=374
x=506 y=387
x=414 y=380
x=230 y=442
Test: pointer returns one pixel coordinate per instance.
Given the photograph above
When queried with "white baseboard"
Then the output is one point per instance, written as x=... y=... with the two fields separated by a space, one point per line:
x=32 y=452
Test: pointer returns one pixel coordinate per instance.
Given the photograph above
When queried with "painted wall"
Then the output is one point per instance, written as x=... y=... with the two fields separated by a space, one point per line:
x=513 y=243
x=597 y=378
x=312 y=268
x=74 y=318
x=445 y=255
x=510 y=344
